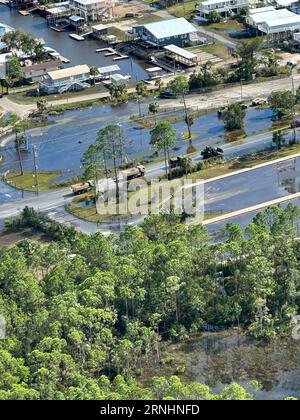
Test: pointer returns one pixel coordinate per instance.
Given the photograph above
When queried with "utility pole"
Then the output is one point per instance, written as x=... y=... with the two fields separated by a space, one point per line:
x=242 y=89
x=36 y=183
x=294 y=111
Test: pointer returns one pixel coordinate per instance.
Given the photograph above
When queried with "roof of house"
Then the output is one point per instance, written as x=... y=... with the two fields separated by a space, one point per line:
x=168 y=28
x=76 y=18
x=87 y=2
x=108 y=69
x=44 y=66
x=208 y=2
x=288 y=21
x=100 y=27
x=261 y=10
x=69 y=72
x=272 y=15
x=180 y=51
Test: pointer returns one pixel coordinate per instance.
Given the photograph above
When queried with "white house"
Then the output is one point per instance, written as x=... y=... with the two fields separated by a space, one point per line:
x=71 y=78
x=270 y=21
x=222 y=7
x=94 y=10
x=3 y=64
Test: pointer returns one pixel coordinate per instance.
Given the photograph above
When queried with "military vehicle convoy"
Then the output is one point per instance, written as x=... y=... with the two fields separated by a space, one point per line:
x=135 y=172
x=128 y=174
x=82 y=187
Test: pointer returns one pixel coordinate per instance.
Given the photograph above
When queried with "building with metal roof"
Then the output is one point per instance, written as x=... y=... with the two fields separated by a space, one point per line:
x=272 y=21
x=181 y=55
x=173 y=31
x=71 y=78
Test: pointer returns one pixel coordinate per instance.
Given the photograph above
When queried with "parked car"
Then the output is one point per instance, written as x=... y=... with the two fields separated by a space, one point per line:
x=167 y=95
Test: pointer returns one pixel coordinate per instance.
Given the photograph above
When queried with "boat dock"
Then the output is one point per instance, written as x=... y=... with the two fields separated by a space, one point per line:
x=110 y=52
x=77 y=37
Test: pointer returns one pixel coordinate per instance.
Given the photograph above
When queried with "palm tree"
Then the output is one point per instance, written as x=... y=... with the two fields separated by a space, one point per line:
x=94 y=72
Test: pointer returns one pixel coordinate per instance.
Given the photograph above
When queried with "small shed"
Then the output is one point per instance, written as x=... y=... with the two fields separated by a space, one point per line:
x=154 y=72
x=107 y=72
x=99 y=31
x=76 y=22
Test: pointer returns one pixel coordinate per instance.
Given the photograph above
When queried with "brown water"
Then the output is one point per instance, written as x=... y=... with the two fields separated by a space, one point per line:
x=217 y=359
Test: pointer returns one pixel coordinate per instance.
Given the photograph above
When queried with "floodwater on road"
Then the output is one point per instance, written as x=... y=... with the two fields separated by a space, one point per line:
x=250 y=188
x=82 y=52
x=60 y=145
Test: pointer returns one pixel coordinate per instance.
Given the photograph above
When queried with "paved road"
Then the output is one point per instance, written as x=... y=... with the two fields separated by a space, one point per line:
x=251 y=209
x=206 y=101
x=242 y=186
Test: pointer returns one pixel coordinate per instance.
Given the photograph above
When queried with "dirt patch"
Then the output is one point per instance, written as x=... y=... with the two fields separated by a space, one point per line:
x=8 y=239
x=121 y=10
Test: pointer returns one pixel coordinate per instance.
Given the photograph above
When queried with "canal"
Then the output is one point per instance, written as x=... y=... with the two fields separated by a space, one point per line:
x=82 y=52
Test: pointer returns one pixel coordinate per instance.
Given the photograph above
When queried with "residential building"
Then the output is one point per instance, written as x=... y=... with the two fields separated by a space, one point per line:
x=94 y=10
x=269 y=21
x=222 y=7
x=159 y=34
x=36 y=72
x=71 y=78
x=4 y=29
x=3 y=47
x=3 y=64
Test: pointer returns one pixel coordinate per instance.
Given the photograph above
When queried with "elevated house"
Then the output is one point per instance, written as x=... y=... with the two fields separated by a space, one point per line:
x=159 y=34
x=225 y=8
x=94 y=10
x=36 y=72
x=71 y=78
x=277 y=23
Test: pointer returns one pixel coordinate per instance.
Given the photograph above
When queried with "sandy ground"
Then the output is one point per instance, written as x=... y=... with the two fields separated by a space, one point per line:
x=121 y=10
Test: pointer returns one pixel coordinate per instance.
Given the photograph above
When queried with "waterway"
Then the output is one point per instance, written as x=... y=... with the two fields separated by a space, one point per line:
x=82 y=52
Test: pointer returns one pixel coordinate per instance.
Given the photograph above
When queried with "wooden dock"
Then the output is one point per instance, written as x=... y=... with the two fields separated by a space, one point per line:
x=110 y=52
x=24 y=12
x=77 y=37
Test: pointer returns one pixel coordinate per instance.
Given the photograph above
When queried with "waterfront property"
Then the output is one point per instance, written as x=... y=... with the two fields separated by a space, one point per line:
x=94 y=10
x=180 y=55
x=99 y=31
x=36 y=72
x=72 y=78
x=159 y=34
x=281 y=23
x=106 y=72
x=4 y=29
x=3 y=64
x=224 y=8
x=3 y=47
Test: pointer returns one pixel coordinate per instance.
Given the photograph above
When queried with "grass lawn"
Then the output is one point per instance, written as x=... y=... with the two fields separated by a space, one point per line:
x=219 y=50
x=148 y=18
x=226 y=26
x=27 y=97
x=26 y=181
x=185 y=9
x=118 y=33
